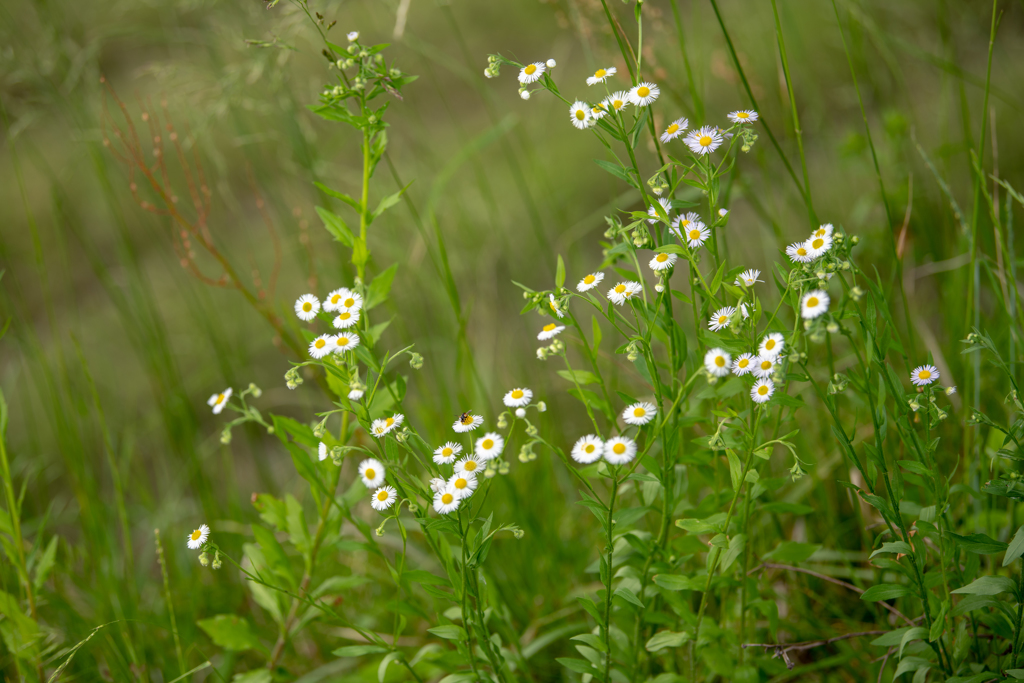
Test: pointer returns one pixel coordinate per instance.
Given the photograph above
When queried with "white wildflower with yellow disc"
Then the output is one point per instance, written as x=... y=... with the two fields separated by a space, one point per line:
x=665 y=204
x=748 y=278
x=518 y=398
x=547 y=332
x=764 y=366
x=824 y=230
x=644 y=93
x=218 y=401
x=772 y=345
x=617 y=101
x=321 y=346
x=306 y=307
x=623 y=291
x=721 y=318
x=743 y=116
x=619 y=450
x=464 y=484
x=467 y=422
x=447 y=454
x=197 y=538
x=588 y=449
x=446 y=500
x=531 y=73
x=695 y=235
x=817 y=246
x=743 y=364
x=762 y=390
x=704 y=140
x=814 y=304
x=371 y=472
x=555 y=308
x=345 y=342
x=579 y=114
x=332 y=301
x=675 y=129
x=797 y=252
x=662 y=261
x=469 y=465
x=489 y=446
x=601 y=75
x=589 y=282
x=383 y=498
x=717 y=362
x=639 y=413
x=346 y=319
x=923 y=375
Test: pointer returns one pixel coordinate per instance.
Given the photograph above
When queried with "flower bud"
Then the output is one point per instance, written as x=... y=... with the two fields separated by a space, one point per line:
x=542 y=406
x=217 y=563
x=520 y=413
x=531 y=430
x=950 y=391
x=503 y=468
x=415 y=361
x=502 y=422
x=524 y=94
x=204 y=559
x=225 y=436
x=659 y=288
x=552 y=63
x=854 y=240
x=832 y=327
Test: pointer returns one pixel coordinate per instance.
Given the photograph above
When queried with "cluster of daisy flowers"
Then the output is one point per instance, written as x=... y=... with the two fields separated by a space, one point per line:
x=343 y=309
x=616 y=450
x=765 y=366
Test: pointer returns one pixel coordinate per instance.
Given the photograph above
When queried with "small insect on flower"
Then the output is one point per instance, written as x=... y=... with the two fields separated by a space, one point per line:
x=306 y=307
x=547 y=332
x=772 y=345
x=531 y=72
x=579 y=114
x=675 y=129
x=816 y=246
x=662 y=261
x=517 y=398
x=743 y=116
x=665 y=204
x=923 y=375
x=587 y=449
x=553 y=305
x=743 y=364
x=617 y=101
x=823 y=231
x=371 y=471
x=464 y=484
x=797 y=252
x=589 y=282
x=383 y=498
x=446 y=500
x=623 y=291
x=321 y=451
x=748 y=278
x=720 y=319
x=704 y=140
x=762 y=390
x=639 y=413
x=601 y=75
x=717 y=362
x=321 y=346
x=218 y=401
x=446 y=454
x=619 y=450
x=467 y=422
x=489 y=446
x=197 y=538
x=345 y=342
x=644 y=93
x=346 y=319
x=764 y=366
x=814 y=304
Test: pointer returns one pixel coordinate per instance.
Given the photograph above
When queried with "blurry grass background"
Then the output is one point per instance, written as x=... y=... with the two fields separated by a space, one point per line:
x=113 y=347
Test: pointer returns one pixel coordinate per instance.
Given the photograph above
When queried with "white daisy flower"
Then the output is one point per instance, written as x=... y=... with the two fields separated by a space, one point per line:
x=601 y=75
x=351 y=303
x=696 y=235
x=355 y=394
x=683 y=222
x=531 y=72
x=717 y=362
x=469 y=466
x=446 y=500
x=748 y=278
x=720 y=319
x=218 y=401
x=816 y=246
x=662 y=261
x=345 y=342
x=772 y=345
x=579 y=114
x=463 y=484
x=764 y=366
x=598 y=111
x=446 y=454
x=665 y=204
x=743 y=364
x=346 y=319
x=619 y=450
x=550 y=330
x=704 y=140
x=825 y=230
x=624 y=290
x=797 y=252
x=553 y=305
x=743 y=116
x=306 y=307
x=518 y=398
x=489 y=446
x=467 y=422
x=675 y=129
x=762 y=390
x=617 y=101
x=639 y=413
x=813 y=304
x=197 y=538
x=379 y=427
x=923 y=375
x=321 y=451
x=332 y=301
x=372 y=473
x=587 y=449
x=589 y=282
x=321 y=346
x=394 y=421
x=644 y=93
x=383 y=498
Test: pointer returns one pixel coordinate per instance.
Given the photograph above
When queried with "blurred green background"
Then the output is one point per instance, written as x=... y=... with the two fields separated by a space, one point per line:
x=113 y=347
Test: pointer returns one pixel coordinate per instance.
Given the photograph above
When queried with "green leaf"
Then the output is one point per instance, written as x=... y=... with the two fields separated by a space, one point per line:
x=379 y=288
x=449 y=632
x=1016 y=547
x=627 y=516
x=899 y=547
x=276 y=558
x=988 y=585
x=916 y=633
x=382 y=670
x=616 y=170
x=629 y=596
x=979 y=544
x=230 y=632
x=675 y=582
x=885 y=591
x=793 y=508
x=387 y=202
x=336 y=225
x=45 y=563
x=256 y=676
x=792 y=552
x=664 y=639
x=670 y=249
x=339 y=195
x=560 y=273
x=580 y=666
x=358 y=650
x=582 y=377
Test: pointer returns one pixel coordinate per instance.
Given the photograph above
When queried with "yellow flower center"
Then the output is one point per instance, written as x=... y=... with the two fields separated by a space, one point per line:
x=766 y=365
x=370 y=474
x=617 y=104
x=924 y=374
x=549 y=327
x=342 y=341
x=743 y=363
x=619 y=448
x=447 y=498
x=812 y=302
x=307 y=307
x=589 y=280
x=817 y=243
x=468 y=420
x=762 y=390
x=722 y=319
x=488 y=444
x=389 y=421
x=600 y=73
x=349 y=302
x=639 y=412
x=336 y=298
x=220 y=399
x=461 y=483
x=517 y=393
x=720 y=361
x=580 y=114
x=769 y=345
x=643 y=91
x=344 y=315
x=661 y=258
x=196 y=535
x=742 y=115
x=469 y=465
x=820 y=232
x=530 y=70
x=382 y=496
x=672 y=129
x=446 y=452
x=320 y=343
x=589 y=448
x=619 y=289
x=705 y=141
x=695 y=234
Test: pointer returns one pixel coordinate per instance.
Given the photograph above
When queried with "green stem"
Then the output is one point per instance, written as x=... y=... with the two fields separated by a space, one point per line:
x=608 y=586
